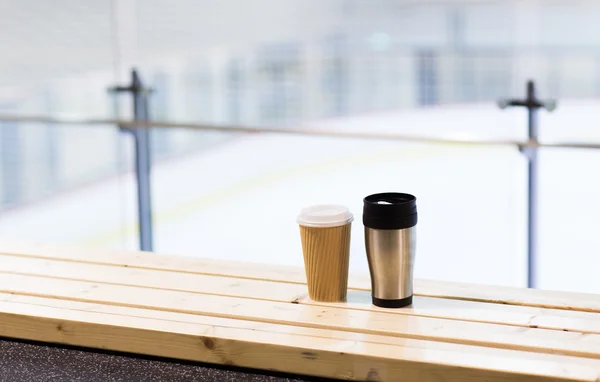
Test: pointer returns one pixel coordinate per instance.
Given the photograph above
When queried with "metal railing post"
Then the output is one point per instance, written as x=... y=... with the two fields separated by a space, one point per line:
x=141 y=138
x=532 y=104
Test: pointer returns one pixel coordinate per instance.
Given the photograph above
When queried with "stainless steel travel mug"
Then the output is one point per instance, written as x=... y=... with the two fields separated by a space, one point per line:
x=390 y=221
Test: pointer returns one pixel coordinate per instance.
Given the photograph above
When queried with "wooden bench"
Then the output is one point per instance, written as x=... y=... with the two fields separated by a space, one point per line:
x=258 y=316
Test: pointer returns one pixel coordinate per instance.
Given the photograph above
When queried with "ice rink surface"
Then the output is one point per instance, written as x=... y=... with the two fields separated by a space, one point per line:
x=238 y=200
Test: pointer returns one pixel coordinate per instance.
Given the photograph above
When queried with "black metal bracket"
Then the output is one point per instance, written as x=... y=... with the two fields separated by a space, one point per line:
x=143 y=161
x=532 y=104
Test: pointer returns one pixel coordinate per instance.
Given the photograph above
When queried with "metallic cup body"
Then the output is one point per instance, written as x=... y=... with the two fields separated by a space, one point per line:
x=390 y=220
x=391 y=258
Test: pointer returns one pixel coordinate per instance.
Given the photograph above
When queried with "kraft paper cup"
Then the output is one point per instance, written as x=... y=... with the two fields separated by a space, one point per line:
x=325 y=235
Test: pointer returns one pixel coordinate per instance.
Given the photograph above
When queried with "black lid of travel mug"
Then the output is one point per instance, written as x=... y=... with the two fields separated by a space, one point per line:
x=390 y=210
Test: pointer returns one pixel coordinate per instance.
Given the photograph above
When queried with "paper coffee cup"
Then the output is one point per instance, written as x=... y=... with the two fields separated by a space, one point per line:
x=325 y=235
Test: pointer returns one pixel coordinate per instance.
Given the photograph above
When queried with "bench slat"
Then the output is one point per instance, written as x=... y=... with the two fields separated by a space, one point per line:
x=440 y=289
x=334 y=318
x=523 y=316
x=327 y=353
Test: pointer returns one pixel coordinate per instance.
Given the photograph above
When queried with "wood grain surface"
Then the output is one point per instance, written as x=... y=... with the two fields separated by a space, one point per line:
x=261 y=317
x=431 y=288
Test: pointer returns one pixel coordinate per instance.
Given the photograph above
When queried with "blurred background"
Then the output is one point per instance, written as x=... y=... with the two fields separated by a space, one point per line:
x=428 y=68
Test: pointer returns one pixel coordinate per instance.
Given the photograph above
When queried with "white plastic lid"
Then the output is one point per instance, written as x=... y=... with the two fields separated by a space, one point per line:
x=325 y=215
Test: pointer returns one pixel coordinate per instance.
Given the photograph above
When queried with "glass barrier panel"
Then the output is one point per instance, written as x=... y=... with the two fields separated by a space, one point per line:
x=239 y=201
x=569 y=220
x=573 y=120
x=67 y=184
x=60 y=58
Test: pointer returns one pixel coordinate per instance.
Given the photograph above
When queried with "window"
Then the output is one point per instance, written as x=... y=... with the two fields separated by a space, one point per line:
x=335 y=78
x=198 y=93
x=50 y=146
x=10 y=162
x=159 y=101
x=427 y=77
x=235 y=91
x=280 y=83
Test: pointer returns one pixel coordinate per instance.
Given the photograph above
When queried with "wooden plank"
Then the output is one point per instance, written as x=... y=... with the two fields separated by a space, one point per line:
x=290 y=329
x=450 y=290
x=316 y=352
x=373 y=322
x=523 y=316
x=150 y=260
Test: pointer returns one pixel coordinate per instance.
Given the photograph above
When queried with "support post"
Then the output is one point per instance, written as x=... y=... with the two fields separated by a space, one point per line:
x=532 y=104
x=141 y=138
